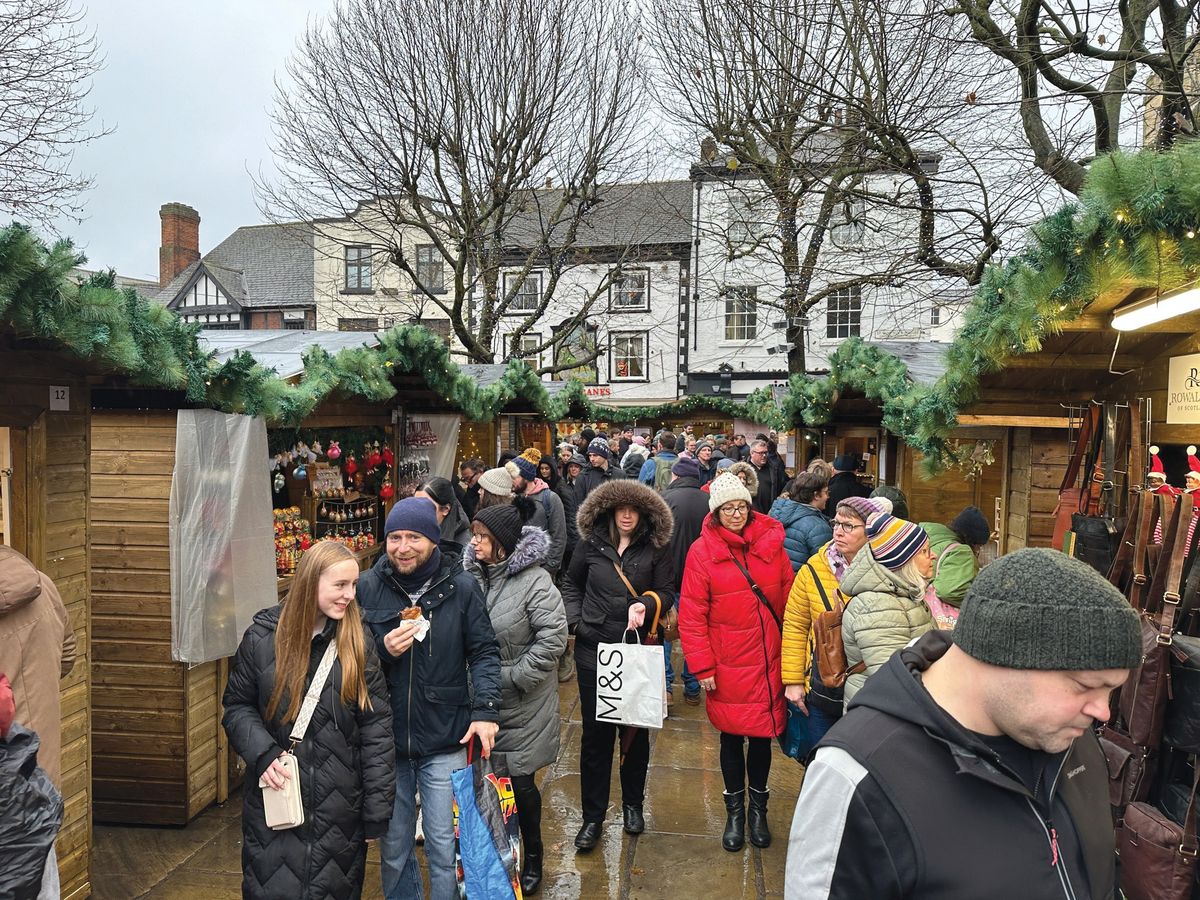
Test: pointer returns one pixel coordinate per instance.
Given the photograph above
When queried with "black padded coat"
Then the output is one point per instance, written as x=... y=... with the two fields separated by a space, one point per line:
x=347 y=773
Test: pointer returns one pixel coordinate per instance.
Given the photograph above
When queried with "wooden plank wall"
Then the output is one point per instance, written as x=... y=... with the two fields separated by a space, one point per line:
x=1048 y=457
x=941 y=498
x=53 y=534
x=155 y=721
x=1018 y=507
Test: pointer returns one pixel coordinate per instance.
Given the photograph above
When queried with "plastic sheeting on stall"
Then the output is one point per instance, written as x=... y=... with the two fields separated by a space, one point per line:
x=222 y=534
x=442 y=454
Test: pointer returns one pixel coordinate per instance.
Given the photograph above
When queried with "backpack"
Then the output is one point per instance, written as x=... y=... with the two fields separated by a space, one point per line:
x=662 y=473
x=829 y=652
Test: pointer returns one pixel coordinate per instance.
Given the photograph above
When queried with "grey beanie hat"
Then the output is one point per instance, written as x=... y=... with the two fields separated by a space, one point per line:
x=1040 y=609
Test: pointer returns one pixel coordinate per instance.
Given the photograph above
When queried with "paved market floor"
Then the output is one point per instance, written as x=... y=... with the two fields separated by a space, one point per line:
x=679 y=856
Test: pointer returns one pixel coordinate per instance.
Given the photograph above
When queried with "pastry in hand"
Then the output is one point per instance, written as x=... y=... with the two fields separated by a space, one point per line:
x=410 y=613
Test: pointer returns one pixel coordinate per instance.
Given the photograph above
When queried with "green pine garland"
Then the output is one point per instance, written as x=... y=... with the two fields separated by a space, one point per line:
x=1136 y=224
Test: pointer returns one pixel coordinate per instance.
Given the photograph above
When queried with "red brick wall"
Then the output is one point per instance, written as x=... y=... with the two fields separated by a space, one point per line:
x=180 y=245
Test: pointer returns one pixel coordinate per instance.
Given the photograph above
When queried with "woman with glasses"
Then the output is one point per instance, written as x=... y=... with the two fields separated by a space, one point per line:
x=735 y=585
x=814 y=591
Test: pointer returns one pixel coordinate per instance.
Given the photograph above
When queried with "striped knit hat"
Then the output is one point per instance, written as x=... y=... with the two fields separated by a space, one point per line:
x=894 y=541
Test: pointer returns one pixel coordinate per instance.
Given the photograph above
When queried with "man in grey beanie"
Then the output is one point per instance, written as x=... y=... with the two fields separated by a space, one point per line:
x=968 y=765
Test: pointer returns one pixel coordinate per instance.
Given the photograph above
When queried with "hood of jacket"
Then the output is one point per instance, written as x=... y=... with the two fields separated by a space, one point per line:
x=865 y=576
x=683 y=484
x=789 y=512
x=535 y=487
x=940 y=534
x=637 y=450
x=626 y=492
x=531 y=550
x=20 y=583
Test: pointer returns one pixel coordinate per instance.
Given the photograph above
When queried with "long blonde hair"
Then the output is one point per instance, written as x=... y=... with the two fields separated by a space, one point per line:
x=294 y=634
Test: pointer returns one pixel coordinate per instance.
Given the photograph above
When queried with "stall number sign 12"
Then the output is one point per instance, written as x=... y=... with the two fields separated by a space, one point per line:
x=60 y=397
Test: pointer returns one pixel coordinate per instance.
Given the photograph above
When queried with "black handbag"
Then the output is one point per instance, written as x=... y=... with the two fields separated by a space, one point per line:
x=1182 y=727
x=1098 y=537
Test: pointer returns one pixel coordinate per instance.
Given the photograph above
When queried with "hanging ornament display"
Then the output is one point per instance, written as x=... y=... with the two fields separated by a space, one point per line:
x=351 y=465
x=389 y=458
x=279 y=481
x=334 y=450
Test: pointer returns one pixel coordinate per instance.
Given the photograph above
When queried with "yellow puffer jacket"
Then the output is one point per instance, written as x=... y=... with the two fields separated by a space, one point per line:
x=803 y=606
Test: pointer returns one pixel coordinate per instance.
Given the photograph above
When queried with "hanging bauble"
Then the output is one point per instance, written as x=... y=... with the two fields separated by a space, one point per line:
x=351 y=464
x=374 y=459
x=301 y=474
x=389 y=458
x=388 y=491
x=334 y=450
x=279 y=482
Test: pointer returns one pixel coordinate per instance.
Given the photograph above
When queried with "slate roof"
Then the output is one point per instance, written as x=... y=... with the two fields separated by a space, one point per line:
x=487 y=374
x=258 y=266
x=656 y=212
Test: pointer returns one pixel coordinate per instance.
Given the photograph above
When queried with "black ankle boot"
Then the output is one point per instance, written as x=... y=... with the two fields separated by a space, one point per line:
x=635 y=822
x=734 y=837
x=531 y=871
x=760 y=834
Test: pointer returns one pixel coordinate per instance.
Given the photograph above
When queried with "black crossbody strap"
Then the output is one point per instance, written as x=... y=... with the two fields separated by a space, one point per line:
x=757 y=591
x=820 y=587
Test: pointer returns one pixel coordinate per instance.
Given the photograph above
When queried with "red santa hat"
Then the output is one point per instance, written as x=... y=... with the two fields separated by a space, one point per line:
x=1156 y=466
x=1193 y=472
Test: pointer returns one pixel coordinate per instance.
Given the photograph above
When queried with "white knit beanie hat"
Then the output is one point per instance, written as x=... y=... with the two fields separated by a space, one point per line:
x=726 y=487
x=497 y=481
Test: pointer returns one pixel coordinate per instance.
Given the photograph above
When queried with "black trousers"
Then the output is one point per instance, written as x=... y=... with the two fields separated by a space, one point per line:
x=738 y=761
x=599 y=745
x=529 y=813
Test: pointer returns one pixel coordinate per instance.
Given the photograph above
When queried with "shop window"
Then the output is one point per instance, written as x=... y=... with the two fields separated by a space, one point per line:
x=429 y=269
x=741 y=313
x=628 y=356
x=358 y=268
x=630 y=291
x=935 y=315
x=528 y=292
x=849 y=225
x=358 y=324
x=843 y=316
x=579 y=343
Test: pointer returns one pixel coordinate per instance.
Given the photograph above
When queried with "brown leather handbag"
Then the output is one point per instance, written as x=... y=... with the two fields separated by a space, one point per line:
x=670 y=622
x=1073 y=498
x=829 y=650
x=1158 y=857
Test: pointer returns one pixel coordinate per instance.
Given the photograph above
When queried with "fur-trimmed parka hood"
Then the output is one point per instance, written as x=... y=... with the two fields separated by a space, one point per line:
x=601 y=502
x=740 y=468
x=531 y=550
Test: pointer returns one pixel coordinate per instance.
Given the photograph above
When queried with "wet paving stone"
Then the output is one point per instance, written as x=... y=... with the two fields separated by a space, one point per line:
x=679 y=855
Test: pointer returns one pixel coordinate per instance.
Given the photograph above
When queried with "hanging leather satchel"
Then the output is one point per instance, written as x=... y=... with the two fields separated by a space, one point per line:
x=1097 y=530
x=1158 y=856
x=1073 y=499
x=1182 y=727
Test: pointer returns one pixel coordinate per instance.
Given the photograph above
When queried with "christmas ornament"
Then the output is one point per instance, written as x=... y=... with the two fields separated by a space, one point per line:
x=389 y=458
x=279 y=482
x=334 y=450
x=301 y=474
x=351 y=464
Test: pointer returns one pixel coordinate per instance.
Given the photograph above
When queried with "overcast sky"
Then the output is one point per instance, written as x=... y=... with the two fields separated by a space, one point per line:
x=187 y=88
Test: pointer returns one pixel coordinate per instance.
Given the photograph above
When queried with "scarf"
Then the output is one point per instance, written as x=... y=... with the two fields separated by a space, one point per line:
x=837 y=562
x=415 y=583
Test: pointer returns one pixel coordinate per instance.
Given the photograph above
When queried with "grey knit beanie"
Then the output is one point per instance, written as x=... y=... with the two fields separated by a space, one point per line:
x=1040 y=609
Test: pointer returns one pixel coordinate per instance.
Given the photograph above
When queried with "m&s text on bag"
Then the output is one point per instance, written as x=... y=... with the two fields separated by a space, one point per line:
x=609 y=679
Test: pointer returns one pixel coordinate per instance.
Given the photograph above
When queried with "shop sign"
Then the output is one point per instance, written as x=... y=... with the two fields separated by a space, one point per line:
x=598 y=390
x=1183 y=390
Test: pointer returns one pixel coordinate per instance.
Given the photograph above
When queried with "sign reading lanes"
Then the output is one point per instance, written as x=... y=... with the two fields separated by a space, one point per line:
x=1183 y=390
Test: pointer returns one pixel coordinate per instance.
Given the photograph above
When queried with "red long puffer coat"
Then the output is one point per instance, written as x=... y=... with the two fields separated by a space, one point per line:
x=727 y=632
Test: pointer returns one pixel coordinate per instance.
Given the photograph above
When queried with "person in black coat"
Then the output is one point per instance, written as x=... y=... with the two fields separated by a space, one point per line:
x=688 y=505
x=601 y=469
x=844 y=482
x=445 y=689
x=771 y=476
x=627 y=524
x=346 y=760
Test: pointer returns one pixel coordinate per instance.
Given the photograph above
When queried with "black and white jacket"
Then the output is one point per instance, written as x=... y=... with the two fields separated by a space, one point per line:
x=900 y=801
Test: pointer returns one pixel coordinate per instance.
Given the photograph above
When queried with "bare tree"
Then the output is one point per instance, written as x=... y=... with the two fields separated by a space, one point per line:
x=483 y=129
x=1086 y=72
x=47 y=58
x=847 y=117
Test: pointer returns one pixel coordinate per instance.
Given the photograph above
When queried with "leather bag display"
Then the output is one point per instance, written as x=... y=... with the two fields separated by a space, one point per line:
x=1074 y=499
x=1158 y=856
x=1182 y=727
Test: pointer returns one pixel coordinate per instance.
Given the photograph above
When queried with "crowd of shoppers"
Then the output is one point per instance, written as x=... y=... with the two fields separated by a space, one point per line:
x=492 y=591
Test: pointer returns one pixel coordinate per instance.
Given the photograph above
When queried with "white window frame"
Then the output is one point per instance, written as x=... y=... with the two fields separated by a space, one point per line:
x=529 y=341
x=617 y=290
x=843 y=313
x=740 y=315
x=615 y=359
x=430 y=266
x=530 y=295
x=849 y=229
x=935 y=314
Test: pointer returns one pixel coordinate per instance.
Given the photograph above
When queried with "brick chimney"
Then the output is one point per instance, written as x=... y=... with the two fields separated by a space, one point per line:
x=180 y=240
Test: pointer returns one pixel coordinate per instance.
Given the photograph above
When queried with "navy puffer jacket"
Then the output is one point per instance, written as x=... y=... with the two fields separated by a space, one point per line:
x=806 y=530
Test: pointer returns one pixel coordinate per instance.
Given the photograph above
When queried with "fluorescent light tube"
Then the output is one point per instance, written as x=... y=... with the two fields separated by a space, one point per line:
x=1156 y=309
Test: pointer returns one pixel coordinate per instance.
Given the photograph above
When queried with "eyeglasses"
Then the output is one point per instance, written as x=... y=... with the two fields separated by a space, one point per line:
x=757 y=452
x=740 y=509
x=842 y=525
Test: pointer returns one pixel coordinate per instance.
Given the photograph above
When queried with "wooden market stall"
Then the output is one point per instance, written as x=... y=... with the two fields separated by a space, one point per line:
x=44 y=488
x=160 y=755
